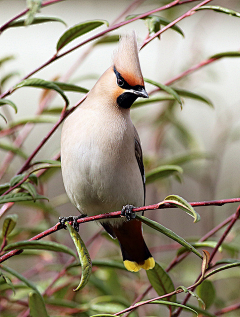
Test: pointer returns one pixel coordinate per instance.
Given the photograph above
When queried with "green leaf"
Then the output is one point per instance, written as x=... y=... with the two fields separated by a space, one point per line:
x=222 y=268
x=151 y=100
x=206 y=291
x=183 y=204
x=71 y=87
x=4 y=187
x=40 y=245
x=220 y=10
x=9 y=224
x=37 y=306
x=161 y=281
x=36 y=20
x=168 y=89
x=169 y=233
x=107 y=39
x=16 y=179
x=84 y=257
x=34 y=7
x=30 y=189
x=51 y=162
x=41 y=83
x=192 y=95
x=154 y=22
x=8 y=76
x=21 y=278
x=18 y=197
x=201 y=311
x=162 y=172
x=200 y=301
x=4 y=118
x=185 y=158
x=8 y=102
x=6 y=59
x=13 y=149
x=78 y=30
x=37 y=119
x=162 y=302
x=8 y=282
x=204 y=244
x=226 y=54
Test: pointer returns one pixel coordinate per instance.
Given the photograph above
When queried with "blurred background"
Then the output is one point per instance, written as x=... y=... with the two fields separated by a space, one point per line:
x=204 y=141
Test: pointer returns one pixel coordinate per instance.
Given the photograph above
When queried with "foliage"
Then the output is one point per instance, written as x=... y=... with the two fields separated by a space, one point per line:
x=38 y=276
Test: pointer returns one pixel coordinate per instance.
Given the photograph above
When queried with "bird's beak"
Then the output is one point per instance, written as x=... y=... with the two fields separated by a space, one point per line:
x=140 y=92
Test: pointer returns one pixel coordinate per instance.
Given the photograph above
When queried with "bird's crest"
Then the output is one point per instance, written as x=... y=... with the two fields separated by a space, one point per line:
x=126 y=60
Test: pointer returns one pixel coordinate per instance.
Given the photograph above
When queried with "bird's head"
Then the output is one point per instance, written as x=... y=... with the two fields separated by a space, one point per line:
x=127 y=71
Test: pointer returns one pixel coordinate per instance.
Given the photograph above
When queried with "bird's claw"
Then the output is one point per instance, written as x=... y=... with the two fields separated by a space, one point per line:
x=73 y=219
x=127 y=211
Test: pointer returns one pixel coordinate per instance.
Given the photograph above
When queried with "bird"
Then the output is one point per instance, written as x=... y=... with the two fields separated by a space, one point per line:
x=101 y=155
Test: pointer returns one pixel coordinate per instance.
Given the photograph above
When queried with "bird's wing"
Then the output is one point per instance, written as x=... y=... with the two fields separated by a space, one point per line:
x=139 y=157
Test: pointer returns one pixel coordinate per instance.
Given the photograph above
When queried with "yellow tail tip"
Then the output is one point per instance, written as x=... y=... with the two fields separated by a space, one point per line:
x=135 y=267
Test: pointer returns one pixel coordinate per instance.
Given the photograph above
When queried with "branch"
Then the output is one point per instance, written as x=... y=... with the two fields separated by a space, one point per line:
x=117 y=214
x=223 y=237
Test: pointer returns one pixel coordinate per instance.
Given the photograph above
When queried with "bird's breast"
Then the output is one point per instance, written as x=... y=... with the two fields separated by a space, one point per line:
x=99 y=167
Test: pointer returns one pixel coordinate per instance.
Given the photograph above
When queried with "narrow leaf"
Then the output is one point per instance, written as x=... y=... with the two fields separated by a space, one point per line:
x=168 y=89
x=16 y=179
x=4 y=187
x=36 y=20
x=162 y=302
x=41 y=83
x=37 y=306
x=18 y=197
x=13 y=149
x=34 y=7
x=37 y=119
x=226 y=54
x=169 y=233
x=151 y=100
x=107 y=39
x=78 y=30
x=6 y=59
x=183 y=204
x=8 y=282
x=162 y=172
x=204 y=244
x=30 y=189
x=21 y=278
x=40 y=245
x=161 y=281
x=70 y=87
x=206 y=291
x=200 y=301
x=192 y=95
x=8 y=102
x=154 y=23
x=220 y=10
x=222 y=268
x=84 y=257
x=9 y=224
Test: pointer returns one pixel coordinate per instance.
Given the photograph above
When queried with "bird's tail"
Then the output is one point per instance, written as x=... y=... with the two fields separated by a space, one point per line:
x=135 y=252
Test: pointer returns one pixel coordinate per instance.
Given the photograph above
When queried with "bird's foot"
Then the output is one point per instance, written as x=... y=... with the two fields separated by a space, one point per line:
x=73 y=219
x=127 y=211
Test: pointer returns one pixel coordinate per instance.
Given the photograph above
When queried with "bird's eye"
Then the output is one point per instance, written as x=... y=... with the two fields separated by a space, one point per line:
x=120 y=82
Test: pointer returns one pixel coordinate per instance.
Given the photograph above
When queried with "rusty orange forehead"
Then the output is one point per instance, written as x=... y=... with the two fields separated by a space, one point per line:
x=132 y=79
